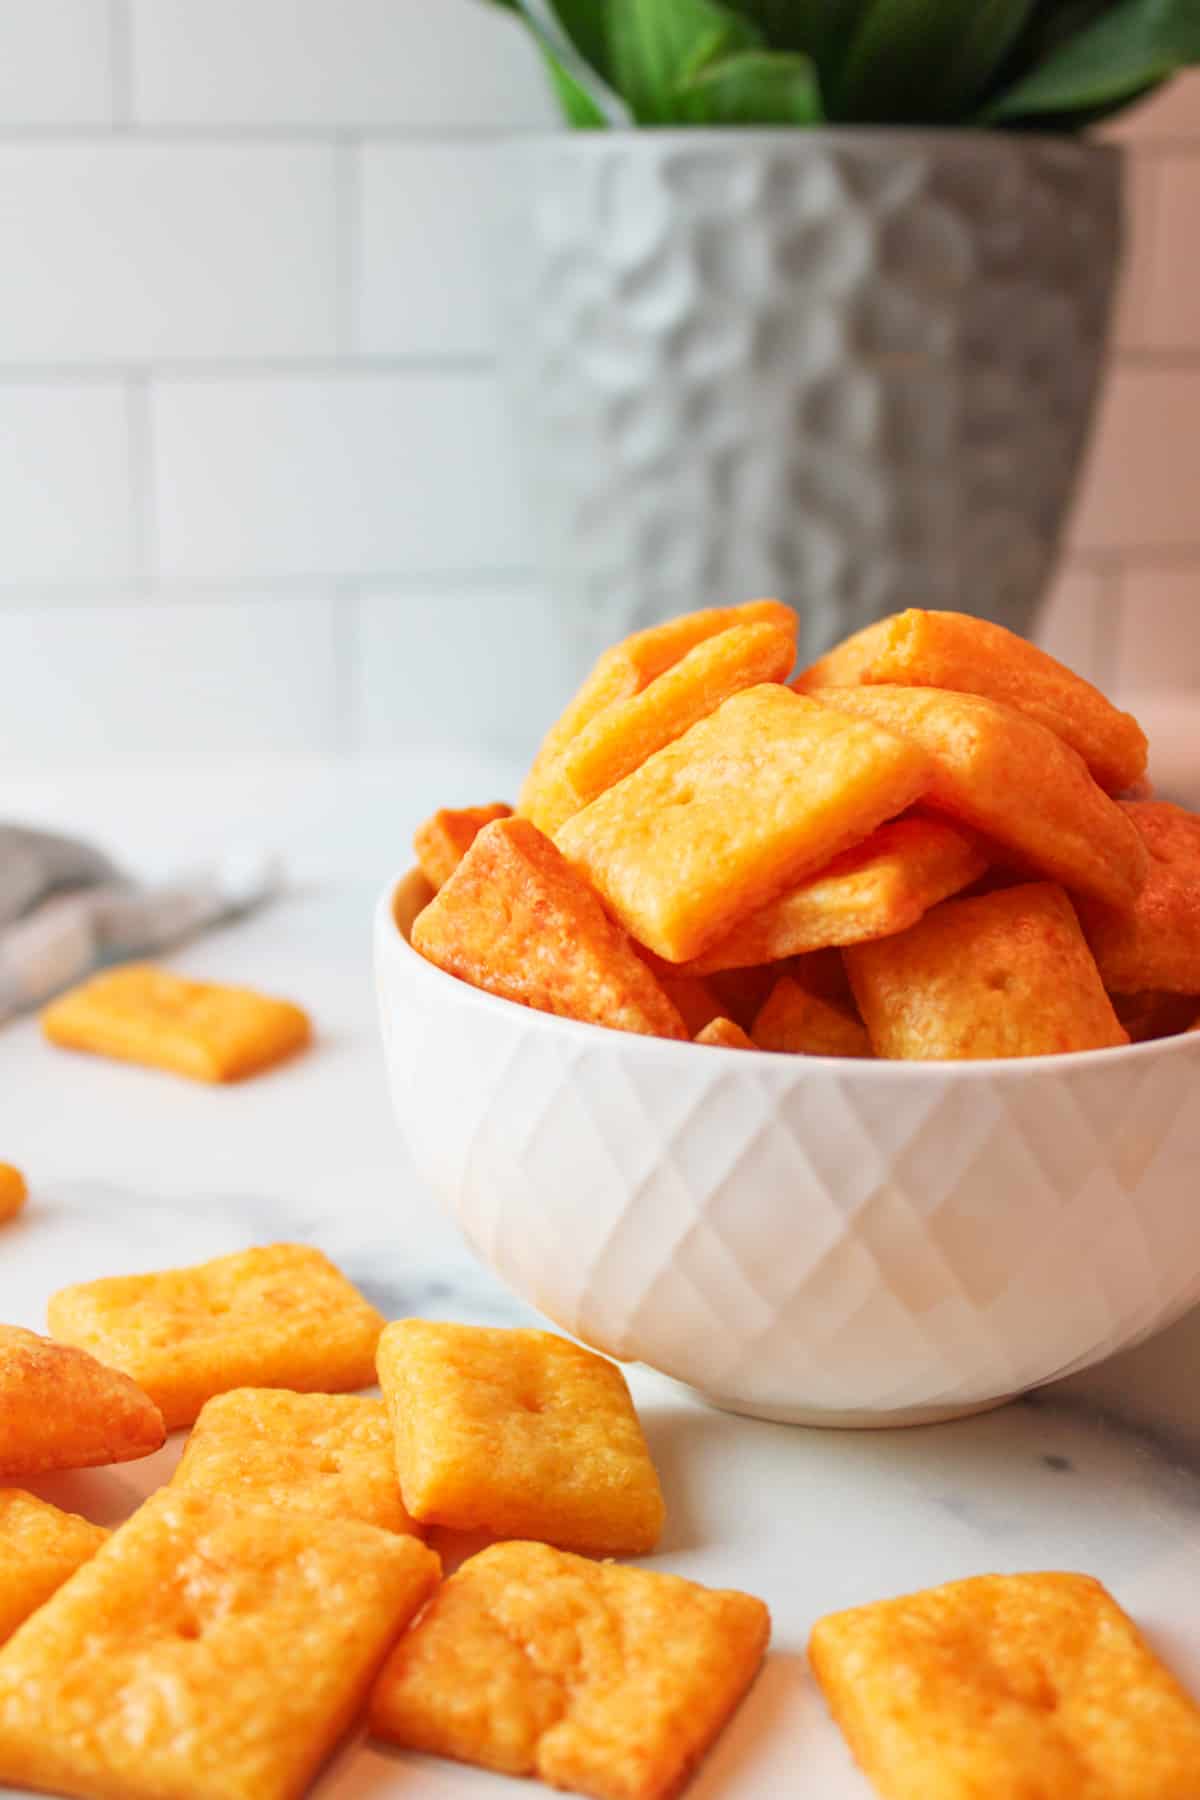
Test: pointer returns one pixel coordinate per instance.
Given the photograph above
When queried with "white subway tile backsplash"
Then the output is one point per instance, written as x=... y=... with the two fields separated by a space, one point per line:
x=125 y=250
x=56 y=62
x=1131 y=323
x=1076 y=624
x=66 y=507
x=424 y=246
x=484 y=665
x=238 y=673
x=314 y=62
x=354 y=474
x=1158 y=636
x=1172 y=255
x=1140 y=485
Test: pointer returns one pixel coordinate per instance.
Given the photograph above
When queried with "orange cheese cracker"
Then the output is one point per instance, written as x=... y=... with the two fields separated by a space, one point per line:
x=516 y=920
x=39 y=1547
x=1009 y=777
x=621 y=737
x=519 y=1433
x=880 y=886
x=766 y=790
x=1154 y=941
x=1003 y=974
x=442 y=841
x=1150 y=1015
x=1007 y=1687
x=724 y=1034
x=804 y=1024
x=330 y=1454
x=61 y=1409
x=973 y=656
x=13 y=1191
x=609 y=1681
x=280 y=1316
x=147 y=1015
x=547 y=797
x=210 y=1651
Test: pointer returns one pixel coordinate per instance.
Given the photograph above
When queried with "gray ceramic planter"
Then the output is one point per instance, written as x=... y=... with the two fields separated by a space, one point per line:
x=851 y=368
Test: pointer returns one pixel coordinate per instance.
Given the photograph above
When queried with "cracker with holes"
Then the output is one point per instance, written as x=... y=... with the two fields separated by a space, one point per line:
x=62 y=1409
x=1009 y=777
x=13 y=1191
x=624 y=671
x=804 y=1024
x=881 y=886
x=606 y=1680
x=201 y=1029
x=724 y=1034
x=330 y=1454
x=516 y=920
x=1003 y=974
x=973 y=656
x=1007 y=1685
x=519 y=1433
x=40 y=1546
x=747 y=803
x=441 y=842
x=1154 y=942
x=620 y=738
x=210 y=1651
x=280 y=1316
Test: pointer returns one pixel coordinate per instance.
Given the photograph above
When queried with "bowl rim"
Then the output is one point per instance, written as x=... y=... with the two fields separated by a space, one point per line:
x=388 y=931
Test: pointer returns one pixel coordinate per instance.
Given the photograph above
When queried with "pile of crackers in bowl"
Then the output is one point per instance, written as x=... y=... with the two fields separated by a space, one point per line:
x=936 y=843
x=288 y=1580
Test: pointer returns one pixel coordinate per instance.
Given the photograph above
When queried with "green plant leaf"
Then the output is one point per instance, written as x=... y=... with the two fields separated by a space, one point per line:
x=656 y=45
x=579 y=108
x=1135 y=45
x=758 y=87
x=925 y=60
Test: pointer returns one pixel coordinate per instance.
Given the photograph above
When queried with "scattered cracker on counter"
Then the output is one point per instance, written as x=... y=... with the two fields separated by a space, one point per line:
x=142 y=1014
x=1007 y=1686
x=331 y=1454
x=13 y=1191
x=60 y=1408
x=39 y=1547
x=209 y=1651
x=1003 y=974
x=281 y=1316
x=520 y=1433
x=802 y=1023
x=1154 y=942
x=441 y=842
x=764 y=791
x=609 y=1681
x=972 y=656
x=724 y=1034
x=516 y=920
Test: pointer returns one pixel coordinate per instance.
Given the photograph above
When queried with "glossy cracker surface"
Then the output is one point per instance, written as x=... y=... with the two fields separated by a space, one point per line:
x=201 y=1029
x=768 y=789
x=210 y=1651
x=605 y=1680
x=330 y=1454
x=279 y=1316
x=516 y=920
x=60 y=1408
x=1007 y=1687
x=519 y=1433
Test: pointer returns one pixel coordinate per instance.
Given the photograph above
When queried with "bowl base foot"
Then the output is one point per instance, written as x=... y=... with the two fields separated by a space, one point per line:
x=854 y=1420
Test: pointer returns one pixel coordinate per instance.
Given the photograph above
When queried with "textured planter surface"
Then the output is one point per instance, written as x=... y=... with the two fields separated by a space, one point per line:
x=854 y=369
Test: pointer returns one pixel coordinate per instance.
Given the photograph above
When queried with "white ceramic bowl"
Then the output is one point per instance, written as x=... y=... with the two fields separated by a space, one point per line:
x=818 y=1241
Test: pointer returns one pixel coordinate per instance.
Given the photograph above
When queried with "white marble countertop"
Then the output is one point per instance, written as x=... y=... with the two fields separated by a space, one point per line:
x=132 y=1170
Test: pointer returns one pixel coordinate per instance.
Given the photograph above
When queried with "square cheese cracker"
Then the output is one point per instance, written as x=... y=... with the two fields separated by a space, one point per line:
x=280 y=1316
x=210 y=1651
x=60 y=1408
x=804 y=1024
x=1154 y=941
x=39 y=1547
x=330 y=1454
x=764 y=792
x=201 y=1029
x=1007 y=1687
x=13 y=1191
x=605 y=1680
x=442 y=841
x=520 y=1433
